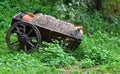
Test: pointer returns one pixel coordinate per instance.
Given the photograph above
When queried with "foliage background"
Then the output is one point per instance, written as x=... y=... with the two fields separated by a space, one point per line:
x=98 y=52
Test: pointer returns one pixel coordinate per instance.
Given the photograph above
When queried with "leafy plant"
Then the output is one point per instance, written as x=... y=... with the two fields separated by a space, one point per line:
x=98 y=49
x=86 y=63
x=53 y=54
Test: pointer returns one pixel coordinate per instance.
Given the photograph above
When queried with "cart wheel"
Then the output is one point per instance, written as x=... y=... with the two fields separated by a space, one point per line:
x=23 y=35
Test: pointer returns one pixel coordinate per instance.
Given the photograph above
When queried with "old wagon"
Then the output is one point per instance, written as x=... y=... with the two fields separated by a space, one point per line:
x=26 y=35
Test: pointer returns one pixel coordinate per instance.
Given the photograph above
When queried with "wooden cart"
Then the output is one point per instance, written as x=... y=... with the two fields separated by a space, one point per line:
x=24 y=35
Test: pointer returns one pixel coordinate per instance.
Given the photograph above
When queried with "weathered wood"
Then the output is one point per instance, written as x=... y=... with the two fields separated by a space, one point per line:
x=57 y=25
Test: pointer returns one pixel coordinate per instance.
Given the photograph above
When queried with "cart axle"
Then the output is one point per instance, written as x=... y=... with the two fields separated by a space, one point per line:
x=23 y=39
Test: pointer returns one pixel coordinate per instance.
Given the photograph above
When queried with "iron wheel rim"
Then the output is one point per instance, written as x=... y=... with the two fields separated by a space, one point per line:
x=23 y=31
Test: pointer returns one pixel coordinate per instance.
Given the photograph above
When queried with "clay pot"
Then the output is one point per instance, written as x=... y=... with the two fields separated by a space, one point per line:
x=28 y=17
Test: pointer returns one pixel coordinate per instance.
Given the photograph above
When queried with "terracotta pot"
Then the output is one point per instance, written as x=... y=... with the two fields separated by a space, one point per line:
x=27 y=17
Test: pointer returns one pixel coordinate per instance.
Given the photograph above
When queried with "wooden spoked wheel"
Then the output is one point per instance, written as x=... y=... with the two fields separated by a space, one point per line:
x=23 y=35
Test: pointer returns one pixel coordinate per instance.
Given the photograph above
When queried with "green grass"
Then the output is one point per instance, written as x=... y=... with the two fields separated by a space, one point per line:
x=98 y=52
x=22 y=63
x=51 y=58
x=98 y=49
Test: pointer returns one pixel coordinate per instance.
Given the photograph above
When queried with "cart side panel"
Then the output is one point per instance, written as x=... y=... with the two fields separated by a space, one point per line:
x=49 y=35
x=44 y=33
x=72 y=42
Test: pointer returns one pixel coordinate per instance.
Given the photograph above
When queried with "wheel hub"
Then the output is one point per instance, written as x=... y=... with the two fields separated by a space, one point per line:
x=23 y=39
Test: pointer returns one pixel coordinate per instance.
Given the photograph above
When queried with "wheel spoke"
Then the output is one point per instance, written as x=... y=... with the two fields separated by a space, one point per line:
x=24 y=29
x=25 y=47
x=23 y=35
x=33 y=38
x=18 y=30
x=15 y=45
x=30 y=32
x=31 y=44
